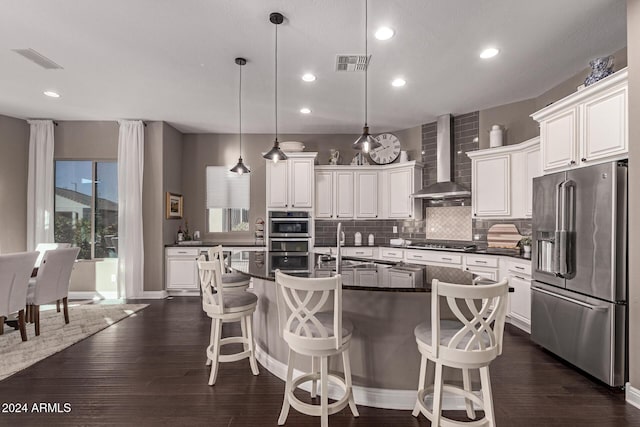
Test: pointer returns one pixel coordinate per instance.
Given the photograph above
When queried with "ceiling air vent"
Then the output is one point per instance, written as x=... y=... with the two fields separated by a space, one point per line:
x=352 y=62
x=38 y=58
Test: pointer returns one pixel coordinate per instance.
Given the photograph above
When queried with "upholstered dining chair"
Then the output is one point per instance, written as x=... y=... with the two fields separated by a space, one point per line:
x=51 y=283
x=226 y=307
x=309 y=331
x=42 y=248
x=15 y=270
x=472 y=339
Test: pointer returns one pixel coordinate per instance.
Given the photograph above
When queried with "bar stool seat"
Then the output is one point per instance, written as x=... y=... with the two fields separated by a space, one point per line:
x=472 y=341
x=320 y=334
x=226 y=307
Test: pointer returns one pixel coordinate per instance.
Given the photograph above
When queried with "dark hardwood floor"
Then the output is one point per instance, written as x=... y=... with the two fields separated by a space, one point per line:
x=149 y=370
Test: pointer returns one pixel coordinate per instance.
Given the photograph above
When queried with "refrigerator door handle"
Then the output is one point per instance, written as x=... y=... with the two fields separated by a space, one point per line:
x=571 y=300
x=560 y=247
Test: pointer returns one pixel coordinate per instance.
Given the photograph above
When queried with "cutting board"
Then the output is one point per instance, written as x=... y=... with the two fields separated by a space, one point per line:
x=503 y=236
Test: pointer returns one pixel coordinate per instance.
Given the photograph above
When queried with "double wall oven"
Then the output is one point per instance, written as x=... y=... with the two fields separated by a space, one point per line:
x=289 y=241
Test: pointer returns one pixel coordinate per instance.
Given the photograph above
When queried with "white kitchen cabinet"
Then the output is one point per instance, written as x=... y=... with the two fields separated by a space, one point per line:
x=182 y=269
x=366 y=277
x=400 y=279
x=587 y=127
x=361 y=251
x=519 y=274
x=324 y=194
x=366 y=187
x=392 y=254
x=348 y=276
x=368 y=192
x=290 y=183
x=502 y=180
x=344 y=192
x=443 y=258
x=491 y=186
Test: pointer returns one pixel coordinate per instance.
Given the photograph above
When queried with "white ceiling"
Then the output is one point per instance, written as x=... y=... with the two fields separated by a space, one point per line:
x=174 y=60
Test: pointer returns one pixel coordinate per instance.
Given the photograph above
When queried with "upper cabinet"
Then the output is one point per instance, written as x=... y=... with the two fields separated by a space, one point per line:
x=502 y=180
x=368 y=192
x=587 y=127
x=290 y=183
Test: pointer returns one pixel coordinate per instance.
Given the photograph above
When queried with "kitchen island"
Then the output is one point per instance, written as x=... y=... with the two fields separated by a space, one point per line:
x=385 y=360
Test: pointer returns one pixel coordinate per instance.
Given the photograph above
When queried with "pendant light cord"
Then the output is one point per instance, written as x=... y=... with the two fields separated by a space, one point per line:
x=240 y=109
x=276 y=74
x=366 y=57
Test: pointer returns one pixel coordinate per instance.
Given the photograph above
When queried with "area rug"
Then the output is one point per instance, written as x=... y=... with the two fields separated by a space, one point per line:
x=84 y=321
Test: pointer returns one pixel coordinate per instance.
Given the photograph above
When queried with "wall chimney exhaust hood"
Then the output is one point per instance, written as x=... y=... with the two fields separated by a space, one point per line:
x=445 y=188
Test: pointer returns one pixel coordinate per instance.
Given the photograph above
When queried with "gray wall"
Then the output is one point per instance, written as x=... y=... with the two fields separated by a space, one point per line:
x=14 y=162
x=633 y=38
x=515 y=118
x=202 y=150
x=92 y=140
x=153 y=208
x=172 y=176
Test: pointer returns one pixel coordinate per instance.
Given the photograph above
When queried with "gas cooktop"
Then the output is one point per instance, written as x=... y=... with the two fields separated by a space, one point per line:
x=443 y=247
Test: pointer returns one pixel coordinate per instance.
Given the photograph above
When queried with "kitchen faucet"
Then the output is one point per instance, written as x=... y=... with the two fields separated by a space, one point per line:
x=339 y=252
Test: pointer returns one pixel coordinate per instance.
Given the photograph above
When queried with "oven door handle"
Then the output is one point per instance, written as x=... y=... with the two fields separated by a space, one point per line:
x=284 y=239
x=290 y=254
x=289 y=219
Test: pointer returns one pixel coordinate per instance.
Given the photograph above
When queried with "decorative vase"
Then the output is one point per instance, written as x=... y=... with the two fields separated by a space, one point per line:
x=527 y=249
x=600 y=68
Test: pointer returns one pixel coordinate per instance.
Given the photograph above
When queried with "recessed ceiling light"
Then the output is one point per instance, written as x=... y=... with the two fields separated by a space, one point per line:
x=52 y=94
x=489 y=53
x=308 y=77
x=305 y=110
x=384 y=33
x=399 y=82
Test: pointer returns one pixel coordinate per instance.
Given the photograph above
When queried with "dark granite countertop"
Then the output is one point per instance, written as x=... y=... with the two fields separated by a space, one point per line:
x=257 y=264
x=205 y=244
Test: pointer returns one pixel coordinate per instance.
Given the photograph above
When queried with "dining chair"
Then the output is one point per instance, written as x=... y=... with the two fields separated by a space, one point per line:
x=15 y=270
x=51 y=283
x=42 y=248
x=226 y=307
x=319 y=334
x=468 y=337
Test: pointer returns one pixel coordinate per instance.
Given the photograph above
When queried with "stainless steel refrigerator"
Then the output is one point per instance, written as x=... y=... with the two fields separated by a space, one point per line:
x=579 y=261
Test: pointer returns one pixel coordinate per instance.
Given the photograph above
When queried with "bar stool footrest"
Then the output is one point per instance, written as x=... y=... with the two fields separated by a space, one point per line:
x=311 y=409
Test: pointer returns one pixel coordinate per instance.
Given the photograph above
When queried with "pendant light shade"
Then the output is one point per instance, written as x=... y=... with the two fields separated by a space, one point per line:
x=365 y=142
x=240 y=167
x=276 y=153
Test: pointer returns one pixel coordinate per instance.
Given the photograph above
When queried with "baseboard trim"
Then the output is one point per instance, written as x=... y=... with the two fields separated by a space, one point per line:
x=152 y=295
x=520 y=324
x=366 y=396
x=632 y=395
x=93 y=295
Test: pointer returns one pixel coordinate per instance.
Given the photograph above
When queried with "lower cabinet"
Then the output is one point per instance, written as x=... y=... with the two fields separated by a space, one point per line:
x=519 y=312
x=182 y=269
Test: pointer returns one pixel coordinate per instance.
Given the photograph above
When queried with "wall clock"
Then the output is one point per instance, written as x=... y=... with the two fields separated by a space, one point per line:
x=388 y=152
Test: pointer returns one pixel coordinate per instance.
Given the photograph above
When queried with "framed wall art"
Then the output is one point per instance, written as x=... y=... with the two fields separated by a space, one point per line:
x=174 y=206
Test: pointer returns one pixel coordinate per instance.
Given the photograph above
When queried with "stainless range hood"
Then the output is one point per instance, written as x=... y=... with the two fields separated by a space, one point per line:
x=445 y=188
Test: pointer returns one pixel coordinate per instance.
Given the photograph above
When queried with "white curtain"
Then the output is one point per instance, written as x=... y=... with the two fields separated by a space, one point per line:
x=130 y=244
x=40 y=186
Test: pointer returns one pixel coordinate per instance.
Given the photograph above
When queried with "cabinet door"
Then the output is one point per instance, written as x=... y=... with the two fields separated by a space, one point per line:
x=400 y=188
x=324 y=194
x=558 y=137
x=344 y=194
x=491 y=180
x=366 y=194
x=182 y=273
x=277 y=185
x=487 y=273
x=366 y=278
x=533 y=168
x=605 y=126
x=399 y=279
x=347 y=276
x=520 y=298
x=301 y=183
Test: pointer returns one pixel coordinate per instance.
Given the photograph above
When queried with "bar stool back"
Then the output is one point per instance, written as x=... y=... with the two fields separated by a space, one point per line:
x=232 y=281
x=312 y=332
x=472 y=341
x=222 y=308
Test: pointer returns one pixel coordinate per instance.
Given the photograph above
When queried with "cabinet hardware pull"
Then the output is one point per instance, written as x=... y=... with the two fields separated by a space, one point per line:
x=519 y=268
x=584 y=159
x=572 y=162
x=521 y=278
x=446 y=259
x=481 y=262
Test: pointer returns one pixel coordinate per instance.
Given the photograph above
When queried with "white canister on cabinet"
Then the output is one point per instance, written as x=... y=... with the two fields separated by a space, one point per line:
x=495 y=136
x=371 y=239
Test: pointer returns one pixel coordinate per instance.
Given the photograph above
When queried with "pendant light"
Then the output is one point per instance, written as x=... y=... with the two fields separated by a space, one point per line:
x=275 y=153
x=365 y=142
x=240 y=168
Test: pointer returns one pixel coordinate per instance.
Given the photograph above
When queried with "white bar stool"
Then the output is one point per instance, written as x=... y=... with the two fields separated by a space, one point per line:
x=222 y=308
x=310 y=332
x=231 y=280
x=472 y=341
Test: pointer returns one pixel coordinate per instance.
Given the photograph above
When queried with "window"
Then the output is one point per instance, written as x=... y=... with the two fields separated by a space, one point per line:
x=86 y=207
x=227 y=200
